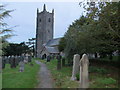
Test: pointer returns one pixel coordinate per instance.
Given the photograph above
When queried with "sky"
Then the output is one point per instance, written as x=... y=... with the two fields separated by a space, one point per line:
x=25 y=13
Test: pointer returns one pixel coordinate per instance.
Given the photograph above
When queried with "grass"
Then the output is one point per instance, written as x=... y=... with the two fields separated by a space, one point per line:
x=100 y=81
x=103 y=77
x=99 y=77
x=12 y=78
x=61 y=77
x=0 y=80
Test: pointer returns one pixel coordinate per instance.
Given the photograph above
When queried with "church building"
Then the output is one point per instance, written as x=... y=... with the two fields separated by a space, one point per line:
x=45 y=44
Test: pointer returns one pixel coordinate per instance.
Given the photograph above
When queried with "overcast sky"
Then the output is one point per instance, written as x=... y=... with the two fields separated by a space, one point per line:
x=24 y=15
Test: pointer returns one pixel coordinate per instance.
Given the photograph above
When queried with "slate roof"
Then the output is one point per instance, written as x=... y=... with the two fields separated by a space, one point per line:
x=52 y=49
x=53 y=42
x=51 y=45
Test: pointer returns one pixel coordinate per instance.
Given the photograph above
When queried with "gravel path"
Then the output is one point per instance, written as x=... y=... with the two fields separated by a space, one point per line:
x=45 y=80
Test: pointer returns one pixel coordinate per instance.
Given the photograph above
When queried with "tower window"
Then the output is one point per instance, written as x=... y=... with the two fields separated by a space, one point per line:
x=49 y=20
x=40 y=20
x=48 y=31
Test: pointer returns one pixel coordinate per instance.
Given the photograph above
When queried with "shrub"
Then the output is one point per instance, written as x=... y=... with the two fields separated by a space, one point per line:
x=77 y=76
x=97 y=70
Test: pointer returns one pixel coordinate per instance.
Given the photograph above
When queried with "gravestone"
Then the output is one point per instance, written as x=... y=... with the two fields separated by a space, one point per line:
x=22 y=58
x=3 y=61
x=48 y=58
x=10 y=59
x=58 y=62
x=21 y=66
x=29 y=58
x=63 y=61
x=12 y=62
x=19 y=58
x=7 y=60
x=75 y=66
x=84 y=63
x=16 y=60
x=26 y=59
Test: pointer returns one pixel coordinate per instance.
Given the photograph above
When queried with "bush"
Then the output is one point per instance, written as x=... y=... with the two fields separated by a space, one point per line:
x=97 y=70
x=78 y=76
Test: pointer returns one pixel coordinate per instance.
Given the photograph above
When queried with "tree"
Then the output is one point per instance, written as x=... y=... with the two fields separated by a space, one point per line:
x=96 y=32
x=16 y=49
x=4 y=32
x=62 y=44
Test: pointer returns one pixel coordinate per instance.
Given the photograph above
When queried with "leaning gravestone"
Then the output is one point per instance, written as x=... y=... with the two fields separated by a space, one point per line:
x=75 y=66
x=84 y=63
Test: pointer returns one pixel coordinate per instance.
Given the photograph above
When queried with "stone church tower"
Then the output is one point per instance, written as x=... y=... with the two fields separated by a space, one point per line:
x=44 y=29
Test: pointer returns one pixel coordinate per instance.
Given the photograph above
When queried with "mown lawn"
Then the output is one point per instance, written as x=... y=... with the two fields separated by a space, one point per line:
x=99 y=77
x=12 y=78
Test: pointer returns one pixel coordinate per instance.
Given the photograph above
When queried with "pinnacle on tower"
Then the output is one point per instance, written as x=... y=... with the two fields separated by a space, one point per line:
x=53 y=11
x=37 y=10
x=44 y=8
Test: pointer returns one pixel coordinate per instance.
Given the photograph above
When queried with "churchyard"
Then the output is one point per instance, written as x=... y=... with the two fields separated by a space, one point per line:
x=95 y=75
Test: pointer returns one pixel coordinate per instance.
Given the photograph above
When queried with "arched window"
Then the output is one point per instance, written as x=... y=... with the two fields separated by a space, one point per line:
x=49 y=20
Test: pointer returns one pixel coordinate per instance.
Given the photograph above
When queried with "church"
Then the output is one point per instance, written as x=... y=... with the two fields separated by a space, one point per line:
x=45 y=43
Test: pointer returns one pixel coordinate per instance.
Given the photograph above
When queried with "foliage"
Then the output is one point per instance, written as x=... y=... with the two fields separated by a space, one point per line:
x=78 y=76
x=62 y=45
x=96 y=32
x=5 y=33
x=12 y=78
x=93 y=69
x=16 y=49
